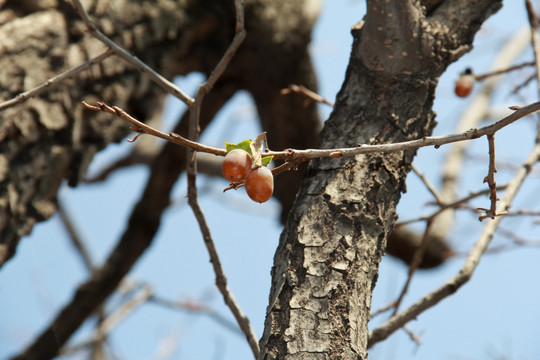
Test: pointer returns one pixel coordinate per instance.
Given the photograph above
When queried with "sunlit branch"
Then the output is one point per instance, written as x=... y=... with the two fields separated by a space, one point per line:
x=490 y=180
x=193 y=134
x=293 y=154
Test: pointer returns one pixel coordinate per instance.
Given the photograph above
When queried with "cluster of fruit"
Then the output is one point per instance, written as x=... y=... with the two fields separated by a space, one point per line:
x=259 y=181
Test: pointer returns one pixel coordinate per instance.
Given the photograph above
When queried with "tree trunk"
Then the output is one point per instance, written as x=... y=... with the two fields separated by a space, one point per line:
x=326 y=265
x=327 y=262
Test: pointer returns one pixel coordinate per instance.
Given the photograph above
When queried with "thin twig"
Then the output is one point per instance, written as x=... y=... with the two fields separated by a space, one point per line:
x=535 y=39
x=54 y=81
x=307 y=93
x=293 y=154
x=416 y=338
x=114 y=319
x=165 y=84
x=84 y=252
x=75 y=238
x=452 y=285
x=383 y=309
x=146 y=129
x=535 y=42
x=221 y=280
x=428 y=184
x=415 y=263
x=459 y=203
x=518 y=240
x=523 y=212
x=490 y=180
x=503 y=71
x=199 y=309
x=524 y=83
x=475 y=112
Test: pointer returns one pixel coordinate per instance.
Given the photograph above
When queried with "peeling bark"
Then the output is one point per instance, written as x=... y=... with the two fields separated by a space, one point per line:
x=326 y=265
x=41 y=39
x=174 y=38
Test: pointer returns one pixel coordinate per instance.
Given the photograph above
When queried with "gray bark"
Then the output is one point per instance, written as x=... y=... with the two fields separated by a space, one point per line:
x=42 y=39
x=173 y=37
x=326 y=265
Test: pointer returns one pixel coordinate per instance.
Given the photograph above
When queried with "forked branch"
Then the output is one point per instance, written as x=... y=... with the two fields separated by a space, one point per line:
x=451 y=286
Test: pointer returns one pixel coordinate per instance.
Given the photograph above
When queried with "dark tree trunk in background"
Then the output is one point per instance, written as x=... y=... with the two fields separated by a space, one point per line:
x=327 y=261
x=175 y=38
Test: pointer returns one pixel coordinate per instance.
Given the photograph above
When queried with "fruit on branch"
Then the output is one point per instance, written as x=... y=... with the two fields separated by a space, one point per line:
x=465 y=83
x=236 y=165
x=260 y=184
x=245 y=162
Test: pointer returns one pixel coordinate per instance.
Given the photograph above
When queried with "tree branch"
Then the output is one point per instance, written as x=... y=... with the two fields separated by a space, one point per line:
x=55 y=81
x=165 y=84
x=221 y=280
x=294 y=154
x=138 y=235
x=451 y=286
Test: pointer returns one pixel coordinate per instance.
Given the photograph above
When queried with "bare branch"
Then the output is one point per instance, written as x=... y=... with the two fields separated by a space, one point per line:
x=75 y=238
x=307 y=93
x=436 y=141
x=415 y=263
x=109 y=323
x=535 y=42
x=194 y=130
x=292 y=154
x=475 y=112
x=383 y=309
x=428 y=184
x=199 y=309
x=141 y=127
x=490 y=180
x=503 y=71
x=459 y=203
x=452 y=285
x=165 y=84
x=55 y=81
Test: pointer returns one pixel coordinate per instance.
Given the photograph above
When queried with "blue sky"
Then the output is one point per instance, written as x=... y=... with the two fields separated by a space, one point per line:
x=494 y=316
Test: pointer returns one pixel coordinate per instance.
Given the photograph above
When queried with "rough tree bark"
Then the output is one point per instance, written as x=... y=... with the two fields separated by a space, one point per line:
x=41 y=39
x=327 y=260
x=173 y=37
x=326 y=265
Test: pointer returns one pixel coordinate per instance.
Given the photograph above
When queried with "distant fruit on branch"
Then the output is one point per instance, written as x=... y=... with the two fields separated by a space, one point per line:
x=465 y=83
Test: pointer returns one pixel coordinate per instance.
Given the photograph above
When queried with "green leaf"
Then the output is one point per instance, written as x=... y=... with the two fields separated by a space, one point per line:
x=244 y=145
x=266 y=160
